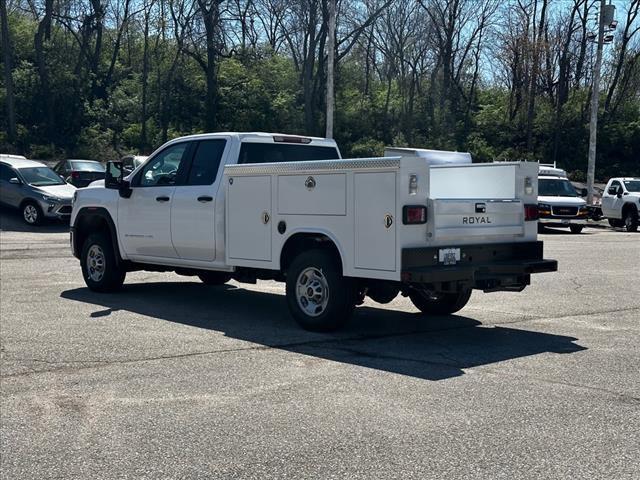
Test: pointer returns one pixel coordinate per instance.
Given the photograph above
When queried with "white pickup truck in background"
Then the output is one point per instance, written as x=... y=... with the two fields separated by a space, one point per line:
x=249 y=206
x=621 y=202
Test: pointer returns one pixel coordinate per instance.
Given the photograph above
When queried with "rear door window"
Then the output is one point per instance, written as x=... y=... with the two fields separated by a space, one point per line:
x=206 y=162
x=282 y=152
x=6 y=173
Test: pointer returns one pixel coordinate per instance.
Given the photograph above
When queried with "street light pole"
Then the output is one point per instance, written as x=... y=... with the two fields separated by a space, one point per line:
x=595 y=99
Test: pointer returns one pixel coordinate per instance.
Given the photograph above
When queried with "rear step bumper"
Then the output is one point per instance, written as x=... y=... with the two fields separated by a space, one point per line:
x=487 y=266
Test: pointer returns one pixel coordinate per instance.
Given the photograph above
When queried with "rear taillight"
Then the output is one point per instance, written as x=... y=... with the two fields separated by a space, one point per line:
x=530 y=212
x=75 y=174
x=414 y=214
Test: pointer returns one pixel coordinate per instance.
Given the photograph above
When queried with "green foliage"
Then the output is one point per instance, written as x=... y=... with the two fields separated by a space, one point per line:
x=101 y=117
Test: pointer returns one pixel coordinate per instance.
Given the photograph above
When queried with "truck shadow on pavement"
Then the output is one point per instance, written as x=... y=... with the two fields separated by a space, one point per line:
x=11 y=221
x=405 y=343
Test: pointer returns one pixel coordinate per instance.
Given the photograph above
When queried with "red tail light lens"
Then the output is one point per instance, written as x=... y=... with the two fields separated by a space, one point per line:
x=75 y=174
x=530 y=212
x=414 y=214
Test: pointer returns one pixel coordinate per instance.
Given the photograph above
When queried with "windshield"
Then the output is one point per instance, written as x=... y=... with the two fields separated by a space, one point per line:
x=40 y=176
x=632 y=185
x=548 y=187
x=87 y=166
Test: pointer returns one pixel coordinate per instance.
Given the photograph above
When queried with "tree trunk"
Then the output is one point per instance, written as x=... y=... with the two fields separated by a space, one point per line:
x=534 y=75
x=145 y=81
x=308 y=69
x=7 y=58
x=331 y=53
x=42 y=33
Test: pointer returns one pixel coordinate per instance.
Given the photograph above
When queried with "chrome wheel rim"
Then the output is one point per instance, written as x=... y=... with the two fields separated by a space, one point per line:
x=312 y=292
x=95 y=263
x=30 y=214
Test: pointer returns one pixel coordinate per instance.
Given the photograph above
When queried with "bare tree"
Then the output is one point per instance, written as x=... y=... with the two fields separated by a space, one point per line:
x=7 y=59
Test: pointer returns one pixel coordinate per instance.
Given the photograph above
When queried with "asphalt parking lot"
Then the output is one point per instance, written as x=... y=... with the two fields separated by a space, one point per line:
x=174 y=379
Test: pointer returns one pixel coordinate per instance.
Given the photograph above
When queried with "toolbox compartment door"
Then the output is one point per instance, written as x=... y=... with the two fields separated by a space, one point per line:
x=375 y=222
x=249 y=218
x=312 y=194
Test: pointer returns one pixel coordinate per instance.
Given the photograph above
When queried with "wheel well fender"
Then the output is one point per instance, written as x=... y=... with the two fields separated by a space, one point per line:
x=301 y=240
x=28 y=200
x=629 y=207
x=93 y=220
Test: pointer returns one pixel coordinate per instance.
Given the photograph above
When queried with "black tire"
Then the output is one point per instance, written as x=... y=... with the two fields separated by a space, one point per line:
x=337 y=291
x=615 y=223
x=541 y=228
x=97 y=249
x=440 y=303
x=576 y=228
x=214 y=278
x=30 y=208
x=631 y=220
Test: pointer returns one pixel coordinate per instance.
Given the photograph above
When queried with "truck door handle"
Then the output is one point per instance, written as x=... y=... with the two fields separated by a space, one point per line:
x=205 y=198
x=162 y=199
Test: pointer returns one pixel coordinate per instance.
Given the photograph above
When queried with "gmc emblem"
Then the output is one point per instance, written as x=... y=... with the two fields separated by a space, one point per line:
x=474 y=220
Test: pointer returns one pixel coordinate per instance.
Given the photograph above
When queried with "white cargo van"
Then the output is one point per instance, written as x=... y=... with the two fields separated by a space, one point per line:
x=559 y=205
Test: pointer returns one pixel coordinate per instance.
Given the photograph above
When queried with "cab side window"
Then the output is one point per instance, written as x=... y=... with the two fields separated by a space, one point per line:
x=206 y=162
x=164 y=169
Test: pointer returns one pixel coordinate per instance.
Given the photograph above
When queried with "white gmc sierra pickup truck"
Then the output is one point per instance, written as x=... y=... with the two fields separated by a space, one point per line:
x=248 y=206
x=621 y=203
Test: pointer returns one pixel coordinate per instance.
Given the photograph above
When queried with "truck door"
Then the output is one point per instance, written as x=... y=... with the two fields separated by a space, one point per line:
x=611 y=204
x=194 y=203
x=144 y=219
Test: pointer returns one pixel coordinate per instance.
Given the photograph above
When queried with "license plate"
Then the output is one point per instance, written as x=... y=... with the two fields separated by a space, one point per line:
x=565 y=222
x=449 y=256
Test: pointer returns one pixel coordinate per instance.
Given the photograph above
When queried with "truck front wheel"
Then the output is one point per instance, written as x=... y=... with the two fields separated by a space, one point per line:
x=631 y=220
x=438 y=303
x=319 y=297
x=100 y=269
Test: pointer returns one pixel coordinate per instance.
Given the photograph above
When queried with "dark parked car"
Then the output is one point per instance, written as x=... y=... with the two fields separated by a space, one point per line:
x=80 y=173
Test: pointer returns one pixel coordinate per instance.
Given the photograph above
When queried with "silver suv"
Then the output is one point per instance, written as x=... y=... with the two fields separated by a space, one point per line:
x=35 y=189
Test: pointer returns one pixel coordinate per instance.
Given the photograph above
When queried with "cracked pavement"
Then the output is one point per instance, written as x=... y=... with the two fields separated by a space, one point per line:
x=173 y=379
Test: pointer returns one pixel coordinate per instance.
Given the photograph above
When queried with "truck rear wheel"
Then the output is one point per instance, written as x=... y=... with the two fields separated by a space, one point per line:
x=100 y=269
x=319 y=297
x=214 y=278
x=438 y=303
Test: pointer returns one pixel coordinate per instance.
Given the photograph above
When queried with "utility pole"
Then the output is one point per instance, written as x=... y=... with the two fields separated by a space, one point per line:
x=605 y=18
x=331 y=51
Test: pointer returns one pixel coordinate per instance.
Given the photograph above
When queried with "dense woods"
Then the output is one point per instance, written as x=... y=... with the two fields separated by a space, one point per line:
x=506 y=79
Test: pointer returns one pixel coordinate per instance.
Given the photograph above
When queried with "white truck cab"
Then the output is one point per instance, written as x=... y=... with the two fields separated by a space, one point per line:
x=621 y=202
x=248 y=206
x=559 y=205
